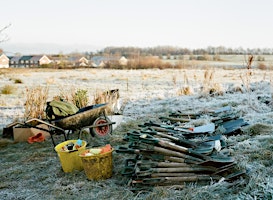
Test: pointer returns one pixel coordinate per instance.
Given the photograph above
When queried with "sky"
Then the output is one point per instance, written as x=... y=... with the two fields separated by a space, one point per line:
x=54 y=26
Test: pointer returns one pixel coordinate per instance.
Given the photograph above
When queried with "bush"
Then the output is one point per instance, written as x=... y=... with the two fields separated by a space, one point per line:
x=80 y=98
x=217 y=58
x=262 y=66
x=260 y=58
x=7 y=89
x=204 y=57
x=18 y=81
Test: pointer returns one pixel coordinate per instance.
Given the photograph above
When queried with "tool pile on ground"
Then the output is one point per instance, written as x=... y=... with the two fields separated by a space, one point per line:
x=174 y=152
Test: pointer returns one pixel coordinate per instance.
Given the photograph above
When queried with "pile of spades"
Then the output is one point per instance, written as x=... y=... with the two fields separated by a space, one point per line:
x=172 y=152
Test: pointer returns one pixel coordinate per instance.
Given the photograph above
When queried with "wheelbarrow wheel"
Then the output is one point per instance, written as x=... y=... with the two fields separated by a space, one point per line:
x=101 y=131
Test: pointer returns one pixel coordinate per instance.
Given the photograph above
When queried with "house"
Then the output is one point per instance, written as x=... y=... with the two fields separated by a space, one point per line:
x=78 y=61
x=58 y=59
x=28 y=61
x=101 y=61
x=83 y=61
x=14 y=61
x=123 y=61
x=98 y=61
x=4 y=61
x=39 y=60
x=24 y=61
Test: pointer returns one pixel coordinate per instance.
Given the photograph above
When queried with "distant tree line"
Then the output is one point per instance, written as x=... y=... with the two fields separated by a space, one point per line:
x=133 y=52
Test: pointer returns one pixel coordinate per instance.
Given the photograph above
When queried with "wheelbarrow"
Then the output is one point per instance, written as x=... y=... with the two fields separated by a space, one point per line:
x=91 y=117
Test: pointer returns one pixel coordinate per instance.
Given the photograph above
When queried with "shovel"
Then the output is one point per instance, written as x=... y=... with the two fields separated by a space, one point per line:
x=149 y=139
x=202 y=148
x=162 y=158
x=188 y=115
x=168 y=152
x=233 y=125
x=174 y=119
x=161 y=127
x=176 y=140
x=182 y=150
x=171 y=180
x=146 y=164
x=178 y=151
x=153 y=173
x=129 y=150
x=192 y=169
x=207 y=128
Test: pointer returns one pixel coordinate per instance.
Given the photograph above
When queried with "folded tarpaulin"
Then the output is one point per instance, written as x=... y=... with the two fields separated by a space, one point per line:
x=57 y=109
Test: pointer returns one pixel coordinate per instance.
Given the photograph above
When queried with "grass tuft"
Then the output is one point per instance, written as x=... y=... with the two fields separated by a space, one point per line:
x=8 y=89
x=36 y=98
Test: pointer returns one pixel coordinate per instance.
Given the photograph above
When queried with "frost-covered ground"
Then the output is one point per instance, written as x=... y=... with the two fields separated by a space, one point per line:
x=145 y=92
x=34 y=172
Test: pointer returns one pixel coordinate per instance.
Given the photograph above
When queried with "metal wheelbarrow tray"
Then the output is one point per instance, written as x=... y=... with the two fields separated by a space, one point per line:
x=84 y=117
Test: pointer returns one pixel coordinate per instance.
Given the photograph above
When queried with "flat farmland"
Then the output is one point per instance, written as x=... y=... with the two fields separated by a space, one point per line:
x=31 y=171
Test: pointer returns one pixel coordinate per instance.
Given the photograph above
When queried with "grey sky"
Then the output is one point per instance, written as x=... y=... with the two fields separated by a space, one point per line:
x=141 y=23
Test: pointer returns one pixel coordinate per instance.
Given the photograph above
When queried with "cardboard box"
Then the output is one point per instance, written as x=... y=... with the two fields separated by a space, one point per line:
x=21 y=134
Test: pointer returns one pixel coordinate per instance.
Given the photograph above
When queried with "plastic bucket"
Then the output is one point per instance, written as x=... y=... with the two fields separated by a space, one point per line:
x=98 y=167
x=70 y=161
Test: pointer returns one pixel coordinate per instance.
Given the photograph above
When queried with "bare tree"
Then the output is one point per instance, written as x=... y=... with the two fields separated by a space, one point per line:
x=3 y=36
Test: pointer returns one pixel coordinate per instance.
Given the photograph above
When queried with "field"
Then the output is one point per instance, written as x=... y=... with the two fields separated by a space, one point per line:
x=33 y=171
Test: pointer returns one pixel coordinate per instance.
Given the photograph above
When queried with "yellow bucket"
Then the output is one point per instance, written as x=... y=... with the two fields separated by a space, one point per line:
x=70 y=160
x=99 y=166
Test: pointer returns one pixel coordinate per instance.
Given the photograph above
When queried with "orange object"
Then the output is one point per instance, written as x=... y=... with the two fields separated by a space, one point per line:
x=106 y=148
x=36 y=138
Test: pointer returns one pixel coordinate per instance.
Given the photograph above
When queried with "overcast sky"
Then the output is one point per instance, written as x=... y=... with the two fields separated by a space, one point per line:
x=73 y=24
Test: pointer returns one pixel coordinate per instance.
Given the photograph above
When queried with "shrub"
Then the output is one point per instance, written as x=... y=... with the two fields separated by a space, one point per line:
x=217 y=58
x=80 y=98
x=262 y=66
x=7 y=89
x=260 y=58
x=204 y=57
x=18 y=81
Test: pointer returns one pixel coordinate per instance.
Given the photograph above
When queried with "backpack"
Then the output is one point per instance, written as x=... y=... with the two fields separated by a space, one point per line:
x=60 y=109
